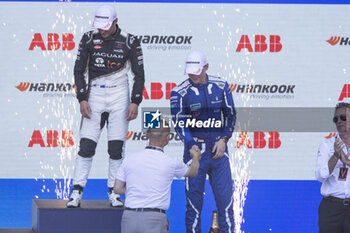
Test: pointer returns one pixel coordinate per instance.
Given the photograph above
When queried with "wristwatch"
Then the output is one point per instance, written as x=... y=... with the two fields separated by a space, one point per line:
x=225 y=138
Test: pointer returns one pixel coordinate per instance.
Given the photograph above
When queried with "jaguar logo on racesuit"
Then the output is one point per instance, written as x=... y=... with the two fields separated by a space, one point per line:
x=108 y=55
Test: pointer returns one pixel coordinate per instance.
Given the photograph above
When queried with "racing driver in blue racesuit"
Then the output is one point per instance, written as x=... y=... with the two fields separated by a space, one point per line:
x=205 y=105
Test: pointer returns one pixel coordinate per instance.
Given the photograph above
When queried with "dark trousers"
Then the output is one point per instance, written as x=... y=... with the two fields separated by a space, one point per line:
x=333 y=217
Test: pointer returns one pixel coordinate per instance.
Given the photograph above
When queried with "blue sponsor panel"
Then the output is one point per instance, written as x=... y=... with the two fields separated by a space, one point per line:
x=282 y=206
x=271 y=206
x=52 y=216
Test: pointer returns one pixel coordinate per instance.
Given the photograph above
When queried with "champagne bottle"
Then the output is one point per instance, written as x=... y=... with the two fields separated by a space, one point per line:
x=214 y=223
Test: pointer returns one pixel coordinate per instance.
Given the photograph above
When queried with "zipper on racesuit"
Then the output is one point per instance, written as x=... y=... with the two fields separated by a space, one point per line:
x=207 y=108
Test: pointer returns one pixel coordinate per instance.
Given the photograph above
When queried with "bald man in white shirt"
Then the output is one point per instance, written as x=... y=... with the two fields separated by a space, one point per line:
x=332 y=170
x=145 y=179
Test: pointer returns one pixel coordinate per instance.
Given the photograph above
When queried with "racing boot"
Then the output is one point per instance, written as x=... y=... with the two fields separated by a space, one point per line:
x=114 y=199
x=75 y=197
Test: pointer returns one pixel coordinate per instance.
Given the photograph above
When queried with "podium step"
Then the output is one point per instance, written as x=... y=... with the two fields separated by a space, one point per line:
x=16 y=230
x=52 y=216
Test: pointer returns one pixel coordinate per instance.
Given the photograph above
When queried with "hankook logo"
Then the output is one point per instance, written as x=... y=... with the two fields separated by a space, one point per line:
x=45 y=87
x=334 y=40
x=166 y=42
x=264 y=91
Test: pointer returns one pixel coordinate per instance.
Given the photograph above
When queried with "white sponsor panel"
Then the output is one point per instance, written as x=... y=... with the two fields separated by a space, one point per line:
x=271 y=55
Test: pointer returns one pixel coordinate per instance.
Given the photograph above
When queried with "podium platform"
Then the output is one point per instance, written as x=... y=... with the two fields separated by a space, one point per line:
x=52 y=216
x=16 y=230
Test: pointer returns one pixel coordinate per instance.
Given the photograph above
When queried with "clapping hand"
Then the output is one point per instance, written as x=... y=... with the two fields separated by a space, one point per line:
x=338 y=147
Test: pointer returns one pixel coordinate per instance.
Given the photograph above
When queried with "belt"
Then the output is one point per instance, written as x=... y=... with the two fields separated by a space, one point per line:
x=146 y=210
x=103 y=86
x=345 y=201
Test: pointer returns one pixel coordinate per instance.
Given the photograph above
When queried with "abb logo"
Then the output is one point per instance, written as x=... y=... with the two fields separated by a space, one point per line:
x=260 y=44
x=157 y=91
x=345 y=93
x=53 y=42
x=260 y=142
x=337 y=39
x=52 y=139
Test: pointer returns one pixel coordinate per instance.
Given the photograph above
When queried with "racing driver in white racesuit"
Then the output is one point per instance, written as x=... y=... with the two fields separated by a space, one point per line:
x=108 y=54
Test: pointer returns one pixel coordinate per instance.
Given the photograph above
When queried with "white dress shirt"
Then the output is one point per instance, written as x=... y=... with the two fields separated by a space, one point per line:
x=331 y=186
x=148 y=175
